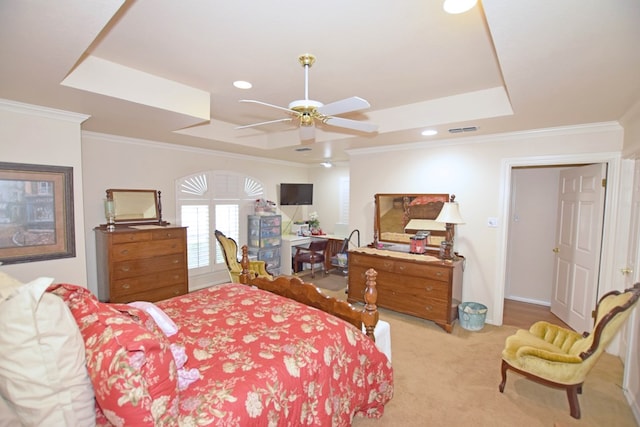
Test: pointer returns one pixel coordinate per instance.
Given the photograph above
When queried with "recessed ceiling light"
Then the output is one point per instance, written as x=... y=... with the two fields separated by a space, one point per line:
x=429 y=132
x=241 y=84
x=458 y=6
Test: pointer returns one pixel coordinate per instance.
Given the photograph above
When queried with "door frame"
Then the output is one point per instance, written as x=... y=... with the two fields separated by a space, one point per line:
x=610 y=245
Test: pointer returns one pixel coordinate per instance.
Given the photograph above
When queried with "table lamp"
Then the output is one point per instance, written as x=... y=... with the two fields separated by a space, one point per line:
x=450 y=215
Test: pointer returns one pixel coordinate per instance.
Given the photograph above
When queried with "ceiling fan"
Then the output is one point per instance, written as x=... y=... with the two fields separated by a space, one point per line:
x=307 y=111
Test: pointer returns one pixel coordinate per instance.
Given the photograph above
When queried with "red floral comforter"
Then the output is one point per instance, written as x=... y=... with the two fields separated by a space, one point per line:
x=266 y=360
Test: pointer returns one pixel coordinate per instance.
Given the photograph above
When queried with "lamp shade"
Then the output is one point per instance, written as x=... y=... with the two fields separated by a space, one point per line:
x=450 y=214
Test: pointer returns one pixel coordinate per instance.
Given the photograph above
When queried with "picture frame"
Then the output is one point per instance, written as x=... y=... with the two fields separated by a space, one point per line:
x=36 y=213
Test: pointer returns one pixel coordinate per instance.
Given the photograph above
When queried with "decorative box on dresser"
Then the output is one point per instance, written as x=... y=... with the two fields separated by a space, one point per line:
x=419 y=285
x=265 y=239
x=147 y=263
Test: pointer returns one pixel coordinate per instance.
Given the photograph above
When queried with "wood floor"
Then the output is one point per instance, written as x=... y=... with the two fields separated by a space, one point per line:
x=523 y=315
x=516 y=313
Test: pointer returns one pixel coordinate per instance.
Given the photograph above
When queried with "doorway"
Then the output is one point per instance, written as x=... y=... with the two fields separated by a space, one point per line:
x=545 y=279
x=613 y=164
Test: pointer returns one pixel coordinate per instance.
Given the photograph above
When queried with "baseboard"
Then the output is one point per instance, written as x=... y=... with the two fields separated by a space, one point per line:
x=529 y=301
x=634 y=404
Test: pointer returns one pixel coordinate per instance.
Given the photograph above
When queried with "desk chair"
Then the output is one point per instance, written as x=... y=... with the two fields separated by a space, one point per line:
x=313 y=254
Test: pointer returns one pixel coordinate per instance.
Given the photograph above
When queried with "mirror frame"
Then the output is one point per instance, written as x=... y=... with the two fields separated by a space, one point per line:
x=141 y=207
x=385 y=201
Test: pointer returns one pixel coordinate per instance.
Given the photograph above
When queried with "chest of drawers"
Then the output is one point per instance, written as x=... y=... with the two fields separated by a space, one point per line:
x=412 y=284
x=141 y=264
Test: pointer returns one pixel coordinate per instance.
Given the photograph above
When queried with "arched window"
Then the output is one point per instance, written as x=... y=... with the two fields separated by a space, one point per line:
x=214 y=200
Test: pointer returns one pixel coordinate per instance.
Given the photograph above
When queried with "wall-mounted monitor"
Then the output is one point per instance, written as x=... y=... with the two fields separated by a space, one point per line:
x=296 y=194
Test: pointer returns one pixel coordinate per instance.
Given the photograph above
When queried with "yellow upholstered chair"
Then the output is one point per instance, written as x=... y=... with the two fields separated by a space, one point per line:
x=230 y=250
x=561 y=358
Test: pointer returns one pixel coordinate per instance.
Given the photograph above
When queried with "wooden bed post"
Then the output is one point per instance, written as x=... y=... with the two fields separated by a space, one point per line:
x=245 y=275
x=370 y=313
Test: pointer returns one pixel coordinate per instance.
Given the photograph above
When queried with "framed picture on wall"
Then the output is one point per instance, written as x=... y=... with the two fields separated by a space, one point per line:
x=36 y=213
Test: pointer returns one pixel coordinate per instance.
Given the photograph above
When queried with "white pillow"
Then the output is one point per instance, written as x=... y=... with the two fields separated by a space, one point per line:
x=43 y=375
x=8 y=285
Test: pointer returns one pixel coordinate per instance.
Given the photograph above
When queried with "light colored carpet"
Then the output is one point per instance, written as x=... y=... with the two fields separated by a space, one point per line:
x=452 y=380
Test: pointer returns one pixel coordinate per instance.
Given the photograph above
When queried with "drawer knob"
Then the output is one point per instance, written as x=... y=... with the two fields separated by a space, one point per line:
x=429 y=308
x=176 y=261
x=125 y=268
x=126 y=286
x=428 y=288
x=124 y=251
x=439 y=273
x=401 y=267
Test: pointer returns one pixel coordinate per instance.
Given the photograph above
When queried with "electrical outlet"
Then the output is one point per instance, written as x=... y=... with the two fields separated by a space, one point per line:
x=492 y=222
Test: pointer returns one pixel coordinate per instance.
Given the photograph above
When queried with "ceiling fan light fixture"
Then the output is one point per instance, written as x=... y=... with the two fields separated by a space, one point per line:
x=458 y=6
x=327 y=164
x=306 y=112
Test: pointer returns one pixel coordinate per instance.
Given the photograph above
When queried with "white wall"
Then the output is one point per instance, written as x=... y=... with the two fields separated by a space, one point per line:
x=116 y=162
x=532 y=230
x=472 y=169
x=42 y=136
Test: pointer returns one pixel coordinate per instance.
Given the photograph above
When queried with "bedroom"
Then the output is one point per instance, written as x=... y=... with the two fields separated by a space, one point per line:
x=472 y=169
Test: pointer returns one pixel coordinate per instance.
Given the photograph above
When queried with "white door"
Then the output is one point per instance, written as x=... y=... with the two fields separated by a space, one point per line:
x=630 y=334
x=578 y=242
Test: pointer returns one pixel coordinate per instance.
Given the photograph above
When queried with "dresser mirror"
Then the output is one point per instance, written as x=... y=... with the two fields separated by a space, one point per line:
x=399 y=217
x=135 y=206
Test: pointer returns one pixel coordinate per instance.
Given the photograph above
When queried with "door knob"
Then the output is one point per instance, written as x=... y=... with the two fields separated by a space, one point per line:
x=556 y=250
x=626 y=271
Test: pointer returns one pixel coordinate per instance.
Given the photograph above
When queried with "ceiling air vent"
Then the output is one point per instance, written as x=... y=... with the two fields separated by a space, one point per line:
x=460 y=130
x=303 y=149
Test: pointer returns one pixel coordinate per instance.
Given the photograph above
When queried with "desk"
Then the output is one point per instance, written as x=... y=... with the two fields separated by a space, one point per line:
x=289 y=241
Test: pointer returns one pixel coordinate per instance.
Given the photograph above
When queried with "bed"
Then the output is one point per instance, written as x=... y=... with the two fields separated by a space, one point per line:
x=235 y=354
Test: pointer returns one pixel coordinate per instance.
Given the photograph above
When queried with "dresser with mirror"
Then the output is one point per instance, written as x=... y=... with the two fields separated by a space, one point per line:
x=140 y=257
x=422 y=285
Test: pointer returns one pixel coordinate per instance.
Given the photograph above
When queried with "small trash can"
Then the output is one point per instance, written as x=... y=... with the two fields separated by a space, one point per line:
x=472 y=315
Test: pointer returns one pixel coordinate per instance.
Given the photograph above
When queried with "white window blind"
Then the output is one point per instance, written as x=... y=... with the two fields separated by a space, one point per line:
x=227 y=221
x=214 y=200
x=196 y=218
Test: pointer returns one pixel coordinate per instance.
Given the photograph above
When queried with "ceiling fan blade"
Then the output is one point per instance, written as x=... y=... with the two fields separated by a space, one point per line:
x=307 y=133
x=253 y=101
x=288 y=119
x=351 y=124
x=346 y=105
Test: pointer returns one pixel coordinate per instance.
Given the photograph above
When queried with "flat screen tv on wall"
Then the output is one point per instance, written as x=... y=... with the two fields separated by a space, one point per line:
x=296 y=194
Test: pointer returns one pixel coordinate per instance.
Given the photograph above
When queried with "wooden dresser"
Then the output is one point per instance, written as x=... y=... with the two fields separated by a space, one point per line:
x=141 y=264
x=419 y=285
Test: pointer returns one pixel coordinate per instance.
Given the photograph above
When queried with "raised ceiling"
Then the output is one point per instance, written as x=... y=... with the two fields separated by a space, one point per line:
x=162 y=70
